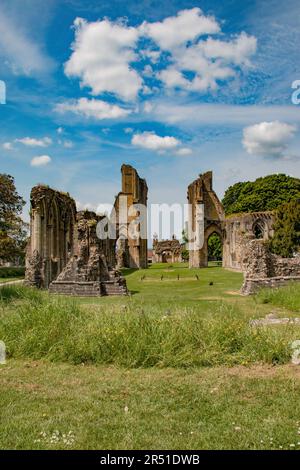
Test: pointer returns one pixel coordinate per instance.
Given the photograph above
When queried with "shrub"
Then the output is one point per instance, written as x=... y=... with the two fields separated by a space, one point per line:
x=6 y=272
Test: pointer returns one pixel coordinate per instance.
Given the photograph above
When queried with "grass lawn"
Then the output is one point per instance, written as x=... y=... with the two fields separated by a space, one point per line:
x=98 y=407
x=9 y=279
x=161 y=369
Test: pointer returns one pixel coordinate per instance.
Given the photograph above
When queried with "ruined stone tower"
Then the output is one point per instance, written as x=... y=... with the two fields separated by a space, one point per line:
x=206 y=215
x=131 y=215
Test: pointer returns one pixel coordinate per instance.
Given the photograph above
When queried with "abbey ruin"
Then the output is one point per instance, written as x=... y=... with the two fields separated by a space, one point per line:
x=66 y=255
x=243 y=239
x=166 y=251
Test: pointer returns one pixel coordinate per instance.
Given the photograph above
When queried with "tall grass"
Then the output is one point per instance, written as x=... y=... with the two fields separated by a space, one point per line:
x=36 y=325
x=288 y=297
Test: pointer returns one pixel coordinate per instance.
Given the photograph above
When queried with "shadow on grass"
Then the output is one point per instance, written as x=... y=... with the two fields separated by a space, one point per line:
x=128 y=271
x=133 y=292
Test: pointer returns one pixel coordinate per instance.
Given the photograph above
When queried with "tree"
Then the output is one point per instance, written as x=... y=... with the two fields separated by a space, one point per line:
x=12 y=228
x=286 y=239
x=263 y=194
x=214 y=245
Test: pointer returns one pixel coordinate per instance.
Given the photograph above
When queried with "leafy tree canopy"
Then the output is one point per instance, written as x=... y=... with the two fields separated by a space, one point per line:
x=12 y=229
x=286 y=240
x=214 y=247
x=263 y=194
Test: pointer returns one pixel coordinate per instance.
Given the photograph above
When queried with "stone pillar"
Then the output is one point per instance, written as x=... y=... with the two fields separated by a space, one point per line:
x=36 y=243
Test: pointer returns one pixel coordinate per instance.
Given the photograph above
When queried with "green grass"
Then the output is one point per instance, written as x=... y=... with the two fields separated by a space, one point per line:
x=169 y=323
x=211 y=408
x=3 y=280
x=287 y=297
x=174 y=353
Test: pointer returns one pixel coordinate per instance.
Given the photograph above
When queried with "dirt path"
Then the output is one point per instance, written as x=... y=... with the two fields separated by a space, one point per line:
x=11 y=283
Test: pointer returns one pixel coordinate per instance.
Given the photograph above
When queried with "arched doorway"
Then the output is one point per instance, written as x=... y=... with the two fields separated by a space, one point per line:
x=258 y=229
x=214 y=247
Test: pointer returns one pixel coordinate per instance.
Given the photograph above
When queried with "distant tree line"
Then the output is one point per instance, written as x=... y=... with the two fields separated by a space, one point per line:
x=263 y=194
x=13 y=231
x=274 y=192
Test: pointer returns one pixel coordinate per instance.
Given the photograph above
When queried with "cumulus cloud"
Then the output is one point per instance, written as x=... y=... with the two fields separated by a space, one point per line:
x=177 y=30
x=208 y=61
x=152 y=141
x=101 y=58
x=42 y=160
x=105 y=52
x=268 y=138
x=32 y=142
x=93 y=108
x=236 y=51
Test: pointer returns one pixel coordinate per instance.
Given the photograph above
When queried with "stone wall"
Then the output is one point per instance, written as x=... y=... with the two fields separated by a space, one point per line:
x=131 y=250
x=88 y=272
x=64 y=253
x=206 y=216
x=238 y=230
x=166 y=251
x=52 y=235
x=264 y=269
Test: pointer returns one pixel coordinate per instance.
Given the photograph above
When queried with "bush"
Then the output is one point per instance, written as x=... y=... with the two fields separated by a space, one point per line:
x=12 y=272
x=36 y=325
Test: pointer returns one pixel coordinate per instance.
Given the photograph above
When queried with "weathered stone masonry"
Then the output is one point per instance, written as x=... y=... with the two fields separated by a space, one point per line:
x=166 y=251
x=131 y=251
x=202 y=197
x=239 y=229
x=53 y=235
x=264 y=269
x=244 y=239
x=88 y=272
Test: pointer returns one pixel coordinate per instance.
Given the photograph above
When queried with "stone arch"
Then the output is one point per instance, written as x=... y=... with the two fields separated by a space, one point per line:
x=53 y=229
x=213 y=258
x=258 y=229
x=208 y=232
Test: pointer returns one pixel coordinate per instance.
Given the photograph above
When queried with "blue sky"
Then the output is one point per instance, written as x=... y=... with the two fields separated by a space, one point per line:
x=174 y=88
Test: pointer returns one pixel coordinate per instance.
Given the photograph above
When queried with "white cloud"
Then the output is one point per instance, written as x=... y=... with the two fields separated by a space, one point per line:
x=236 y=51
x=102 y=53
x=7 y=146
x=184 y=151
x=68 y=144
x=93 y=108
x=178 y=30
x=60 y=130
x=42 y=160
x=19 y=51
x=268 y=138
x=152 y=55
x=208 y=61
x=151 y=141
x=180 y=111
x=32 y=142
